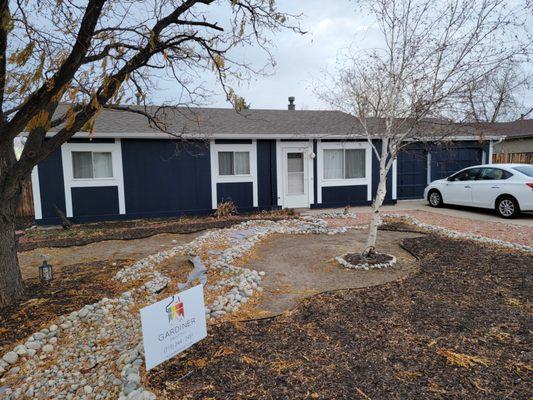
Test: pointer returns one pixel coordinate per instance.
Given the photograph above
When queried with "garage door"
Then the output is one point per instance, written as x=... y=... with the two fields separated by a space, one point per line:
x=412 y=173
x=447 y=160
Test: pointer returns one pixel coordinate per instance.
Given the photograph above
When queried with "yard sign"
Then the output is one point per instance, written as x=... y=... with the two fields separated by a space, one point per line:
x=173 y=325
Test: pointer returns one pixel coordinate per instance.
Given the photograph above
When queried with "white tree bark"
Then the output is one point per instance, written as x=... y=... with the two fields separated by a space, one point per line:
x=384 y=167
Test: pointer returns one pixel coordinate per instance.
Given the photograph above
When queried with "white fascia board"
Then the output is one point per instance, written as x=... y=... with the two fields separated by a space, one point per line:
x=241 y=136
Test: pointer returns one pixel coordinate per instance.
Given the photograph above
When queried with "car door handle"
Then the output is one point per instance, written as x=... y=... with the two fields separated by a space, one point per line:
x=467 y=187
x=495 y=187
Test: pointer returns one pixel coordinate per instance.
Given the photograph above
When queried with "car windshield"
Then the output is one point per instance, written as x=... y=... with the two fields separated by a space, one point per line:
x=525 y=169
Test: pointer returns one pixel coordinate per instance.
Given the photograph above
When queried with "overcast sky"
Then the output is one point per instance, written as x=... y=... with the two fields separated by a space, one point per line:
x=332 y=26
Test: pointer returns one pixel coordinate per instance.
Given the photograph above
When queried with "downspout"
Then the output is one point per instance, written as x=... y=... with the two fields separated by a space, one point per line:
x=491 y=148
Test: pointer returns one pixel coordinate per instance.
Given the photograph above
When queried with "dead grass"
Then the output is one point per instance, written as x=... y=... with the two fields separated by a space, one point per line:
x=462 y=360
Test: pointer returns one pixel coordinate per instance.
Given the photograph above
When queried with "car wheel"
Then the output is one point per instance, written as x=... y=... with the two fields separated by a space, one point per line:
x=435 y=198
x=507 y=207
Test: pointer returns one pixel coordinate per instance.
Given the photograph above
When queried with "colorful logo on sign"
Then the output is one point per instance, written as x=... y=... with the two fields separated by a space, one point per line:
x=175 y=310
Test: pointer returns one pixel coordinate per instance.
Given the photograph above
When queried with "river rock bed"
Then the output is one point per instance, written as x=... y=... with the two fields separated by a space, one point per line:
x=97 y=353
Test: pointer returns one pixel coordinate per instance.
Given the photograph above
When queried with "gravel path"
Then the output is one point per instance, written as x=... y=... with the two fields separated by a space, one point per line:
x=494 y=230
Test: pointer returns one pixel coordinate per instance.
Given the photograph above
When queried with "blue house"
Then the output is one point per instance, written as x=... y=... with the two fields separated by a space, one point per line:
x=259 y=159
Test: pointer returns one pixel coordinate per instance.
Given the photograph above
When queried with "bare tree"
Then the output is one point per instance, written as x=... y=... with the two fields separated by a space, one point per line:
x=104 y=53
x=433 y=50
x=496 y=97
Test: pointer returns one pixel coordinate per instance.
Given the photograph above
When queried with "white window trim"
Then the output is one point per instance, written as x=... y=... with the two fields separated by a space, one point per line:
x=280 y=146
x=367 y=180
x=215 y=148
x=68 y=174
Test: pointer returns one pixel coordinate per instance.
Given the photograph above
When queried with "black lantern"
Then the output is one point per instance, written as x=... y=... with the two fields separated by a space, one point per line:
x=46 y=273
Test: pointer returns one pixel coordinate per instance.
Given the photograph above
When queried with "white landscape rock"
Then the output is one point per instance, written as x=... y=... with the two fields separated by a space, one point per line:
x=10 y=357
x=79 y=355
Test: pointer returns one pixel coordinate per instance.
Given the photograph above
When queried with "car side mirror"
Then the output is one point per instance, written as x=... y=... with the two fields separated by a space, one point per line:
x=450 y=179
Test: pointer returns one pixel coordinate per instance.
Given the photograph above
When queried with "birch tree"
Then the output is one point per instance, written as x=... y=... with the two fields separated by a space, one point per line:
x=432 y=51
x=105 y=54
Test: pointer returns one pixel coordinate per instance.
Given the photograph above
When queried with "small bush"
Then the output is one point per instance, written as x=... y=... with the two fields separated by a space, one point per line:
x=225 y=209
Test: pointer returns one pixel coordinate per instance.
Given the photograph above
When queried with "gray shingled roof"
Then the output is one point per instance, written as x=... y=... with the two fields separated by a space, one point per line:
x=208 y=122
x=221 y=121
x=517 y=129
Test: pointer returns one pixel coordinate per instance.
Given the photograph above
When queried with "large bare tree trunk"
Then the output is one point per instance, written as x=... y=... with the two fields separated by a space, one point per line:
x=11 y=284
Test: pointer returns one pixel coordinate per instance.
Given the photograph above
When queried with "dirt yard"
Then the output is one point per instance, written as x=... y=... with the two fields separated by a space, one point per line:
x=459 y=328
x=299 y=266
x=106 y=251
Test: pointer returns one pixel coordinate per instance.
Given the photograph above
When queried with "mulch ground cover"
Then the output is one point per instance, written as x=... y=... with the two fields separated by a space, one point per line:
x=72 y=287
x=460 y=328
x=82 y=234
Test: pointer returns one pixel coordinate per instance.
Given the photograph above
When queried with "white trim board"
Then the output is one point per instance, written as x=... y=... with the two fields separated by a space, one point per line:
x=36 y=192
x=69 y=182
x=162 y=135
x=214 y=148
x=321 y=182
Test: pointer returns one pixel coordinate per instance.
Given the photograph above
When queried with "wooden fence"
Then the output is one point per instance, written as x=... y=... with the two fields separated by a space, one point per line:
x=25 y=207
x=518 y=158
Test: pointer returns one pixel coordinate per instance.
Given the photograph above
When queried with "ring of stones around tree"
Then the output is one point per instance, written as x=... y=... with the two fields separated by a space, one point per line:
x=342 y=260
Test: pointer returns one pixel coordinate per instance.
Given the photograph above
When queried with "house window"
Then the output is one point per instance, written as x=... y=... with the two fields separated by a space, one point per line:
x=344 y=164
x=92 y=165
x=233 y=163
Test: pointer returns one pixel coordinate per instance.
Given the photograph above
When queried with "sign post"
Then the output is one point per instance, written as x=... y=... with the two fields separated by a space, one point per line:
x=173 y=325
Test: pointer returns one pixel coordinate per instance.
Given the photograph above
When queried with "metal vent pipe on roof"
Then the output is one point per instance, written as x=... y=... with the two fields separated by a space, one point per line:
x=291 y=106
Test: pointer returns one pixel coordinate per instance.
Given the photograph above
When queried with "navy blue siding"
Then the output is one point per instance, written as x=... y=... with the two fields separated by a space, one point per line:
x=449 y=158
x=240 y=193
x=233 y=141
x=52 y=188
x=412 y=172
x=95 y=140
x=340 y=196
x=165 y=177
x=94 y=201
x=266 y=174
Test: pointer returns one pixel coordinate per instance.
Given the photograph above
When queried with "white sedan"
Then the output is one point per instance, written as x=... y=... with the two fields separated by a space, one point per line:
x=506 y=188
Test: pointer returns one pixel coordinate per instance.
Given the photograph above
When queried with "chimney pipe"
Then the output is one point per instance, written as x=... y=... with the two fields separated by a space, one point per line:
x=292 y=106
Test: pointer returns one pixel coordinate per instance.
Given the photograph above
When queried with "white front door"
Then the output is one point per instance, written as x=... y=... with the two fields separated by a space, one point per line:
x=295 y=178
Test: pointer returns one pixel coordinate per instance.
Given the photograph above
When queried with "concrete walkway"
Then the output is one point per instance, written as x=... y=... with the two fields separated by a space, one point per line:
x=475 y=214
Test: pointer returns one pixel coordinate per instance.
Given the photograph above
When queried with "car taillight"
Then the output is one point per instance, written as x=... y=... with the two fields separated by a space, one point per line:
x=530 y=185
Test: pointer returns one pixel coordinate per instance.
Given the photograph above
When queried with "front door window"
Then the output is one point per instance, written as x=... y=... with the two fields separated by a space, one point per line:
x=295 y=173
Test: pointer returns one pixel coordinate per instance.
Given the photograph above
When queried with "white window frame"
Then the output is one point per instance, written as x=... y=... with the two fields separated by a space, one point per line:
x=92 y=161
x=68 y=173
x=343 y=166
x=214 y=149
x=344 y=145
x=234 y=151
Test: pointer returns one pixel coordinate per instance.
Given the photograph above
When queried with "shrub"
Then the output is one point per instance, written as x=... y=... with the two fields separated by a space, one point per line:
x=225 y=209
